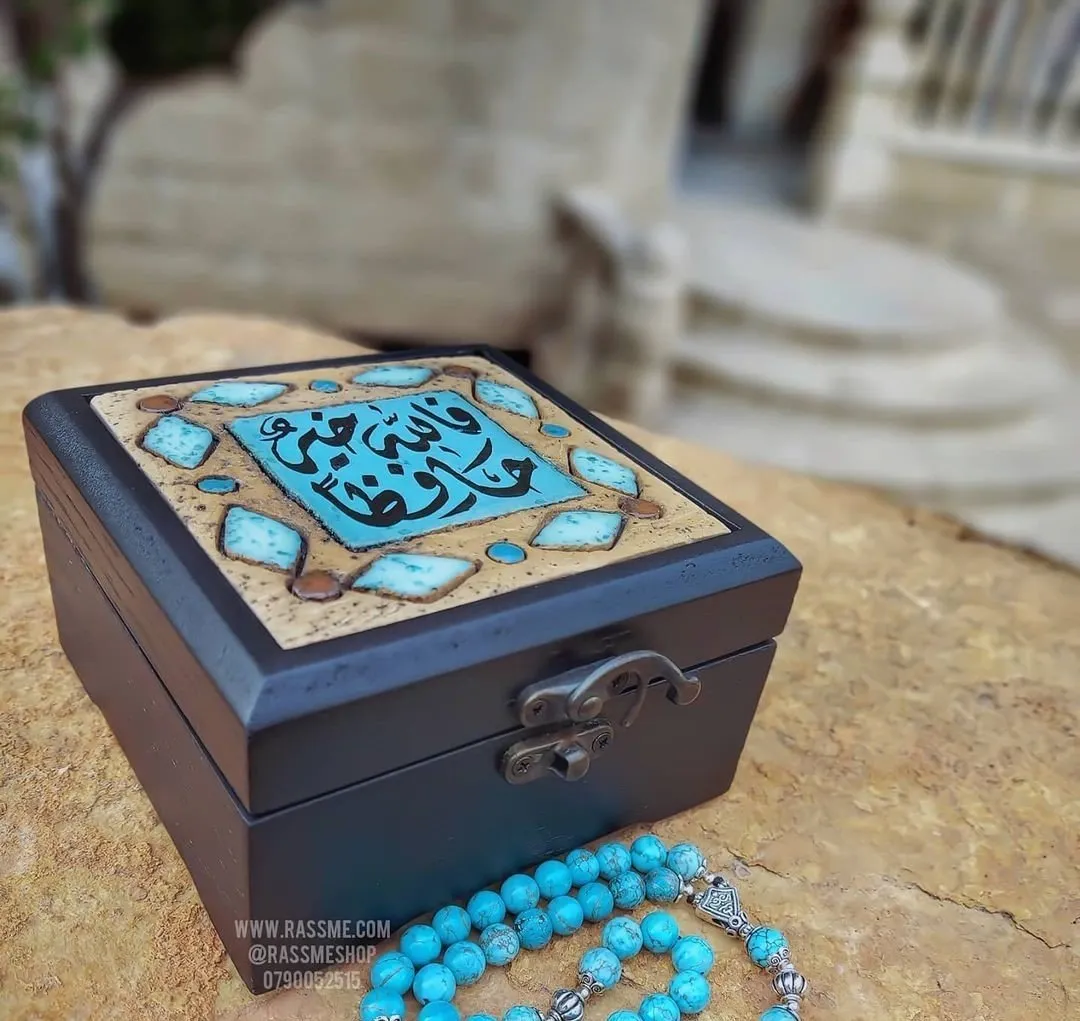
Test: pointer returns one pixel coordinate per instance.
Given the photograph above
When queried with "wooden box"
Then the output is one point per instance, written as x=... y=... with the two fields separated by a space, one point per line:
x=376 y=632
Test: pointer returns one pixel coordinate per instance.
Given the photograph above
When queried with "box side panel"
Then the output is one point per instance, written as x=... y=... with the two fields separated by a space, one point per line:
x=205 y=822
x=201 y=700
x=409 y=842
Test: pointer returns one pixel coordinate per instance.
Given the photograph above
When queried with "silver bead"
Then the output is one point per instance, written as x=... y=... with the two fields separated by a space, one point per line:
x=587 y=985
x=719 y=903
x=703 y=869
x=788 y=983
x=566 y=1005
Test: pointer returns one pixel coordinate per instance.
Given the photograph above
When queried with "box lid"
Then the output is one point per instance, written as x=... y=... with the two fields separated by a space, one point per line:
x=343 y=567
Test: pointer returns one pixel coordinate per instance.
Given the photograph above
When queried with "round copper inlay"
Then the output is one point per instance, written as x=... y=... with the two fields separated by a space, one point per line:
x=159 y=404
x=461 y=371
x=316 y=585
x=640 y=508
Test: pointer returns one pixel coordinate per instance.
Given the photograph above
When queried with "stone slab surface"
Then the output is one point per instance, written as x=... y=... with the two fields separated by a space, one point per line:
x=1005 y=377
x=1037 y=454
x=906 y=807
x=831 y=281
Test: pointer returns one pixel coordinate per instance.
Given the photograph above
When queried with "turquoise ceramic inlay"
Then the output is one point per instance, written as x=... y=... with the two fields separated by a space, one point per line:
x=580 y=530
x=394 y=375
x=594 y=467
x=505 y=553
x=377 y=471
x=218 y=484
x=179 y=441
x=414 y=575
x=508 y=398
x=238 y=394
x=258 y=539
x=324 y=386
x=557 y=431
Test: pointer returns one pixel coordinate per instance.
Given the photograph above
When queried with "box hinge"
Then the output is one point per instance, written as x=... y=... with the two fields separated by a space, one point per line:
x=593 y=700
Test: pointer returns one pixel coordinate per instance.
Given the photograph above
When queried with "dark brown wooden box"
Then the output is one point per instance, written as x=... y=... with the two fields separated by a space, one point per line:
x=423 y=734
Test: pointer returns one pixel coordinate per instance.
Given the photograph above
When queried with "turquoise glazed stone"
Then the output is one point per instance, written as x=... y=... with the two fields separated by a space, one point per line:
x=648 y=853
x=583 y=866
x=558 y=432
x=393 y=971
x=628 y=891
x=580 y=530
x=414 y=575
x=692 y=953
x=520 y=892
x=690 y=991
x=421 y=944
x=260 y=540
x=603 y=965
x=505 y=553
x=506 y=398
x=554 y=879
x=466 y=961
x=394 y=375
x=623 y=1015
x=217 y=484
x=614 y=860
x=485 y=908
x=438 y=1010
x=452 y=923
x=662 y=886
x=382 y=1003
x=685 y=859
x=434 y=982
x=763 y=943
x=659 y=931
x=178 y=441
x=659 y=1007
x=324 y=386
x=521 y=1012
x=596 y=901
x=534 y=928
x=238 y=394
x=594 y=467
x=622 y=936
x=481 y=1017
x=566 y=915
x=778 y=1013
x=500 y=944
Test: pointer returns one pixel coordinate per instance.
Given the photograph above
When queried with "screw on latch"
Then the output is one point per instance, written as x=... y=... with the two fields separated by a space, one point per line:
x=601 y=742
x=538 y=707
x=523 y=765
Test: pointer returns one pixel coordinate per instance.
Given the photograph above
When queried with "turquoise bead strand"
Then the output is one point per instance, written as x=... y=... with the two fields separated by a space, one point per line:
x=527 y=912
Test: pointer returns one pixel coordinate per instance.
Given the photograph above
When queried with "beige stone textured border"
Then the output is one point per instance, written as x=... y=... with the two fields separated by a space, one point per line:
x=294 y=622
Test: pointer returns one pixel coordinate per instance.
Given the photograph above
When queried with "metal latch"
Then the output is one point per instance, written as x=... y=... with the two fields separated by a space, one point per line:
x=579 y=698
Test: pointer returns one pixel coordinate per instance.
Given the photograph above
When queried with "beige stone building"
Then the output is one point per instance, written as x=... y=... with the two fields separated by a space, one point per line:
x=391 y=167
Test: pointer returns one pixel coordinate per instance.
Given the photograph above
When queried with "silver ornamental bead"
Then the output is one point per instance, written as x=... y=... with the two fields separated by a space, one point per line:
x=587 y=985
x=779 y=962
x=566 y=1005
x=719 y=903
x=789 y=984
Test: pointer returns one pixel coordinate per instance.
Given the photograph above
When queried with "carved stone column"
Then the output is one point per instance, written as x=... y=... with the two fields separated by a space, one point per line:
x=853 y=164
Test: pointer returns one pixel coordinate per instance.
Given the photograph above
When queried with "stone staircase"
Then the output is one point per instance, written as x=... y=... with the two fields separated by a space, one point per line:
x=846 y=356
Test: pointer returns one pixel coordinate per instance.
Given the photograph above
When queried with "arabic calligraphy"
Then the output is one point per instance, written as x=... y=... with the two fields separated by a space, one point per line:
x=377 y=471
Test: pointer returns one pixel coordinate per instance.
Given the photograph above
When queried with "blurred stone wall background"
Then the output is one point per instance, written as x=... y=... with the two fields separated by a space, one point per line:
x=386 y=165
